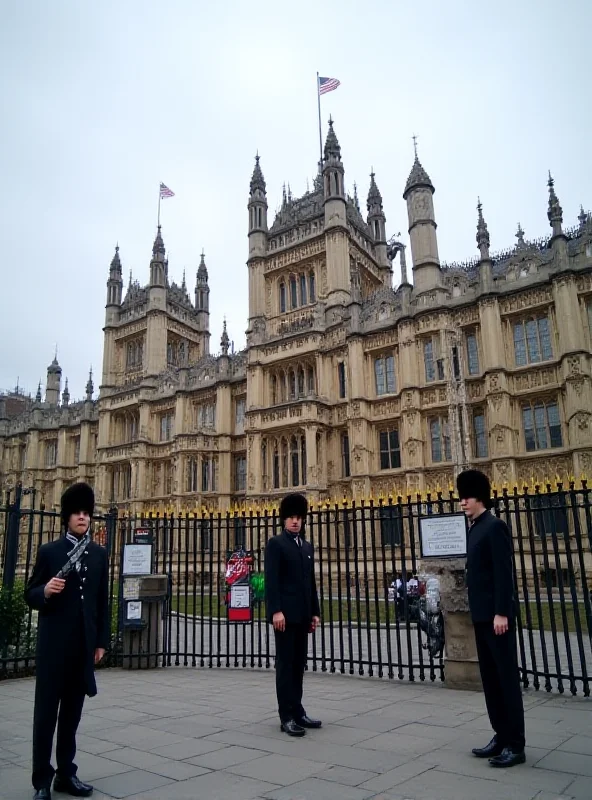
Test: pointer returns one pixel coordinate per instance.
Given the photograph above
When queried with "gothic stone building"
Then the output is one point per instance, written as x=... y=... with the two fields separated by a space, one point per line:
x=346 y=386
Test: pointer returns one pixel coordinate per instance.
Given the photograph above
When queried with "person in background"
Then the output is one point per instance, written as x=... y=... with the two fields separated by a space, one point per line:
x=490 y=581
x=293 y=609
x=68 y=587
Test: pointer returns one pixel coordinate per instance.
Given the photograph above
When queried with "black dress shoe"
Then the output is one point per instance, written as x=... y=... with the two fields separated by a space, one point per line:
x=42 y=794
x=292 y=728
x=307 y=722
x=508 y=758
x=494 y=748
x=72 y=786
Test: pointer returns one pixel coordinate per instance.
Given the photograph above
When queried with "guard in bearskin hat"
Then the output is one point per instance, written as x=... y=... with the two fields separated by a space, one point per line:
x=490 y=581
x=68 y=587
x=293 y=609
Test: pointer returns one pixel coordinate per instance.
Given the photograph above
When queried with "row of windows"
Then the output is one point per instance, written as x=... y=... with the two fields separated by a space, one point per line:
x=299 y=291
x=284 y=462
x=292 y=384
x=207 y=469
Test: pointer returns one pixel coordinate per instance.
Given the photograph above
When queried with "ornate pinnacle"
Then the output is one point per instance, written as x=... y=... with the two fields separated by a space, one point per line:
x=582 y=217
x=555 y=212
x=417 y=177
x=374 y=196
x=202 y=271
x=89 y=386
x=332 y=148
x=482 y=233
x=158 y=246
x=38 y=395
x=257 y=180
x=66 y=394
x=224 y=340
x=520 y=236
x=116 y=261
x=184 y=283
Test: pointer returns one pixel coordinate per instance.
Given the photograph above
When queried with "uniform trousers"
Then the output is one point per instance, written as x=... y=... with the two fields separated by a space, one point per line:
x=291 y=647
x=498 y=664
x=58 y=700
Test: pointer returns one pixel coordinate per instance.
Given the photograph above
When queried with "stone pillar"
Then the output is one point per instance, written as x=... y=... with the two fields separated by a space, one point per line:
x=461 y=667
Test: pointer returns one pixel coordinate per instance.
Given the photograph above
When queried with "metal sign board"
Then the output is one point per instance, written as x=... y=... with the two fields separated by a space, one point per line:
x=443 y=536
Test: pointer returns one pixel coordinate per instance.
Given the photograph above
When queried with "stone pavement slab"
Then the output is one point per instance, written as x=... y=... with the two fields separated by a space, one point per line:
x=183 y=733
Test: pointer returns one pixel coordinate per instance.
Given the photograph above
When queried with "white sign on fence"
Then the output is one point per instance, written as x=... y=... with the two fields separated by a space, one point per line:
x=443 y=536
x=137 y=559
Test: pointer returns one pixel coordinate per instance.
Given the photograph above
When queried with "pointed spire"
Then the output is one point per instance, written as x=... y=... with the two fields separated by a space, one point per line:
x=158 y=246
x=520 y=236
x=202 y=270
x=257 y=180
x=116 y=261
x=89 y=385
x=224 y=340
x=418 y=176
x=374 y=196
x=130 y=282
x=332 y=148
x=38 y=395
x=184 y=282
x=356 y=198
x=482 y=233
x=555 y=212
x=582 y=217
x=66 y=395
x=54 y=366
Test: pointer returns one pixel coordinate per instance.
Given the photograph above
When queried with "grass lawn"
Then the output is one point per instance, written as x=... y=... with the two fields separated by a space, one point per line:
x=213 y=607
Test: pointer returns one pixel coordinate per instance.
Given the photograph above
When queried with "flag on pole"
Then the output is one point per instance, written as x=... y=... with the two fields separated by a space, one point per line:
x=328 y=85
x=165 y=191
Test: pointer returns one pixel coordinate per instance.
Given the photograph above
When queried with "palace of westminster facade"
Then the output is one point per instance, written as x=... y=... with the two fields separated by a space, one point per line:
x=346 y=387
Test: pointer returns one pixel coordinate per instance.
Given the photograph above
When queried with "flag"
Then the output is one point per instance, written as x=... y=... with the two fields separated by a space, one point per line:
x=328 y=85
x=165 y=191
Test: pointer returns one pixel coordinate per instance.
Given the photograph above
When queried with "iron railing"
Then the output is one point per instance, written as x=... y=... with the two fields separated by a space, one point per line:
x=360 y=549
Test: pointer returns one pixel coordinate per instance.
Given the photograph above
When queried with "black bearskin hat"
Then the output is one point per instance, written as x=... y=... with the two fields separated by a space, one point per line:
x=78 y=497
x=473 y=483
x=293 y=505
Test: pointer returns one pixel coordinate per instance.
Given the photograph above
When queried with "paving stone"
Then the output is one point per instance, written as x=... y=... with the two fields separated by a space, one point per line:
x=130 y=783
x=438 y=785
x=90 y=744
x=213 y=786
x=579 y=788
x=278 y=769
x=578 y=744
x=225 y=757
x=316 y=789
x=395 y=777
x=91 y=767
x=346 y=775
x=182 y=749
x=402 y=744
x=563 y=761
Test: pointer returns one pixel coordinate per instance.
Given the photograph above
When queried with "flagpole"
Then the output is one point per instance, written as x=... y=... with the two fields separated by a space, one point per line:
x=320 y=133
x=158 y=223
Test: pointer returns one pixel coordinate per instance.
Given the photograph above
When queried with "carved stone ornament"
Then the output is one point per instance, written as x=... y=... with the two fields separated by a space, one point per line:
x=583 y=420
x=574 y=366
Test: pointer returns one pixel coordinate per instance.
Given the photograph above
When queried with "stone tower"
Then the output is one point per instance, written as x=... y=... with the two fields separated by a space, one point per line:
x=202 y=301
x=336 y=232
x=257 y=207
x=53 y=385
x=418 y=193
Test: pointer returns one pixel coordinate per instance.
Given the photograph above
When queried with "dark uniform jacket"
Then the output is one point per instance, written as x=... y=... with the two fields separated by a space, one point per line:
x=75 y=622
x=490 y=573
x=290 y=585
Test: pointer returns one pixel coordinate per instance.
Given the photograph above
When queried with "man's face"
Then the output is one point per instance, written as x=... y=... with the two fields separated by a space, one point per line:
x=78 y=523
x=471 y=507
x=293 y=524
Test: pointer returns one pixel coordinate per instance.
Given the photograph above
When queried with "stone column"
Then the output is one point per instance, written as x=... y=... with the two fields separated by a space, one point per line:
x=461 y=667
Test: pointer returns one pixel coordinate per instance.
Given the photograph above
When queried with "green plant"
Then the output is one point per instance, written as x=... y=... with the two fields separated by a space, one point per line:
x=14 y=614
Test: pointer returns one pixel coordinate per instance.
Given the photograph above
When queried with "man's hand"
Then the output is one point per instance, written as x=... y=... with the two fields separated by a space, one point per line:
x=99 y=653
x=500 y=625
x=279 y=621
x=54 y=586
x=316 y=621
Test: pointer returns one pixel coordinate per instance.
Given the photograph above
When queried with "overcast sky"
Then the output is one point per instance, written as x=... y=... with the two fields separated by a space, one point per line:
x=103 y=100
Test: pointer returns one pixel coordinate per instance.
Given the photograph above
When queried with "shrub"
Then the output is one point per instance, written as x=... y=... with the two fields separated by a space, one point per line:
x=14 y=613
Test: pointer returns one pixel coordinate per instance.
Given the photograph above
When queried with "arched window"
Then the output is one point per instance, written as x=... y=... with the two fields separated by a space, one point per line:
x=303 y=457
x=264 y=465
x=311 y=380
x=294 y=458
x=300 y=382
x=302 y=290
x=276 y=467
x=284 y=462
x=292 y=385
x=274 y=397
x=293 y=293
x=282 y=298
x=311 y=288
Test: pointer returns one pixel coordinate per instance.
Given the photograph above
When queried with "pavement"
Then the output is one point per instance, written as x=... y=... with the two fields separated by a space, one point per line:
x=190 y=733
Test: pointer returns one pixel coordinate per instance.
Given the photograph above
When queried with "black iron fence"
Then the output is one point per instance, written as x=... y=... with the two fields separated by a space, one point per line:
x=367 y=555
